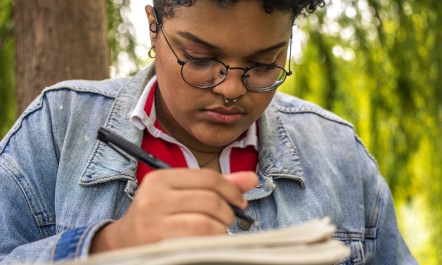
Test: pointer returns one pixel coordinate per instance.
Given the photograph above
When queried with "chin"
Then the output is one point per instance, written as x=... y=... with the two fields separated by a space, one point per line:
x=217 y=136
x=216 y=141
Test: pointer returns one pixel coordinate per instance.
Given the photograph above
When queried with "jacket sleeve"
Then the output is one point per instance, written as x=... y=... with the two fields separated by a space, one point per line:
x=28 y=236
x=383 y=238
x=28 y=175
x=390 y=247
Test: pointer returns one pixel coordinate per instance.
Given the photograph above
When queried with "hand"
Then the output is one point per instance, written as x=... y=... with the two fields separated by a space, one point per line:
x=175 y=203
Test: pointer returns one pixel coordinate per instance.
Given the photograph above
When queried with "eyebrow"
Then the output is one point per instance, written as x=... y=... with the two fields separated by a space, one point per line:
x=196 y=39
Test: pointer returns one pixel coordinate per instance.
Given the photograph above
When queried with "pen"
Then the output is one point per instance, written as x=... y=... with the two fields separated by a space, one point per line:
x=118 y=143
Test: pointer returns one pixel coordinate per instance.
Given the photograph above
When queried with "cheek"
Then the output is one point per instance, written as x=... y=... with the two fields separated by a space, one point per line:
x=167 y=69
x=173 y=88
x=261 y=100
x=176 y=93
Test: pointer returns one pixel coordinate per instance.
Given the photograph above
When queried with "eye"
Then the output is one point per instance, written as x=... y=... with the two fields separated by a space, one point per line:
x=201 y=62
x=263 y=67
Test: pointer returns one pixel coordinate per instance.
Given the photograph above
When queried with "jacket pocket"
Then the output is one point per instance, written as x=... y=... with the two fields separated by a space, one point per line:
x=355 y=240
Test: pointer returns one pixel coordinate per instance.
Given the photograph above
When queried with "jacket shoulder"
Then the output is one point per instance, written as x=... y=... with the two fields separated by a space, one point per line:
x=305 y=116
x=56 y=97
x=107 y=88
x=288 y=104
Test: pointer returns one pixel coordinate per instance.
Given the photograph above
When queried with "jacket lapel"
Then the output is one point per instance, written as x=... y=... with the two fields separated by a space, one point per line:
x=105 y=164
x=278 y=156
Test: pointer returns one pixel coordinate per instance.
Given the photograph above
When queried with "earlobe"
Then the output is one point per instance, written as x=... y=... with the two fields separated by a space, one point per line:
x=153 y=27
x=153 y=33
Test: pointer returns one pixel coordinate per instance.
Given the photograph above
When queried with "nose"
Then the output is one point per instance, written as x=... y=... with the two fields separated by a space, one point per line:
x=232 y=86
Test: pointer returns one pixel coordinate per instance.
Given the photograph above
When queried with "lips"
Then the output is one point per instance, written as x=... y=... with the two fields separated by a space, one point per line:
x=224 y=115
x=226 y=111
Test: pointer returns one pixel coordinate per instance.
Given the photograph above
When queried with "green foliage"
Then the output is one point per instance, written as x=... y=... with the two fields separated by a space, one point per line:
x=7 y=80
x=378 y=64
x=121 y=36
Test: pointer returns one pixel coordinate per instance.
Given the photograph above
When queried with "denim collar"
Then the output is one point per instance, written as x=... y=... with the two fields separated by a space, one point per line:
x=275 y=160
x=278 y=160
x=105 y=164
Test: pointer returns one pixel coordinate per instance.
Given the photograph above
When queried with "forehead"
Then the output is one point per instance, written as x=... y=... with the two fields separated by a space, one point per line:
x=244 y=23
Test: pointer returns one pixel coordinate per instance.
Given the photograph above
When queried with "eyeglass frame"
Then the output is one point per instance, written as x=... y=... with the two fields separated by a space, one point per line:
x=227 y=67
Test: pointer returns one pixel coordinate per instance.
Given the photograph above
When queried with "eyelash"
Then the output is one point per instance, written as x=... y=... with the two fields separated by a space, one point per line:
x=190 y=57
x=254 y=63
x=263 y=64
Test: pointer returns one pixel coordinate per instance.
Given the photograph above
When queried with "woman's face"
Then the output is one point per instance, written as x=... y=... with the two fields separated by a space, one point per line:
x=239 y=35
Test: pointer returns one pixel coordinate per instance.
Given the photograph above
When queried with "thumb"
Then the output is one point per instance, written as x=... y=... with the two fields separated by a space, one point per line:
x=245 y=180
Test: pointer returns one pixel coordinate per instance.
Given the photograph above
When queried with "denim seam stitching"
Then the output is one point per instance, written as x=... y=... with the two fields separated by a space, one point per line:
x=370 y=156
x=76 y=88
x=81 y=239
x=378 y=217
x=104 y=180
x=330 y=117
x=298 y=160
x=55 y=246
x=323 y=114
x=97 y=145
x=34 y=209
x=17 y=125
x=38 y=106
x=299 y=174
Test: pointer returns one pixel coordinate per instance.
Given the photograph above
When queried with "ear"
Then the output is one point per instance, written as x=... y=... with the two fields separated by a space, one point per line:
x=153 y=26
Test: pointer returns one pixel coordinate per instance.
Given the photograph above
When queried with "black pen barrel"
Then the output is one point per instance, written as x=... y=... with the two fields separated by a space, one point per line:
x=130 y=148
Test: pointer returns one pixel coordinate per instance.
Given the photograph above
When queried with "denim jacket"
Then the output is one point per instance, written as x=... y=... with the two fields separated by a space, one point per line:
x=59 y=185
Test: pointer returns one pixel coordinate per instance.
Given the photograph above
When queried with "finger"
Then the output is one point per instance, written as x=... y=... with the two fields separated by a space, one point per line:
x=245 y=180
x=186 y=201
x=171 y=226
x=202 y=202
x=181 y=179
x=178 y=225
x=192 y=224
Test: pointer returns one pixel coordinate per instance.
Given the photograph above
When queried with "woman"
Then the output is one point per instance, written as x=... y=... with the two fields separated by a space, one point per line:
x=209 y=108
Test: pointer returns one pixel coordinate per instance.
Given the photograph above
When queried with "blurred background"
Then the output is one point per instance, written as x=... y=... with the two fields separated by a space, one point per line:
x=376 y=63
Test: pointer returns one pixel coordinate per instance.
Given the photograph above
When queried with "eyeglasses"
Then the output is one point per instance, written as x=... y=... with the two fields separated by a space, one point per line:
x=209 y=72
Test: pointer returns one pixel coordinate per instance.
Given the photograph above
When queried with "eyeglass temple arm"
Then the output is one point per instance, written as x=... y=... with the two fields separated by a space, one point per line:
x=157 y=21
x=290 y=53
x=165 y=38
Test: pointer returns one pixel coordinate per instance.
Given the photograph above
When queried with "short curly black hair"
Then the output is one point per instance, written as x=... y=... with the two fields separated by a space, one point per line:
x=165 y=8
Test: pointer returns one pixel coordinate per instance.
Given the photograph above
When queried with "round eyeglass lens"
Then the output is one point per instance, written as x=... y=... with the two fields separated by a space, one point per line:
x=203 y=73
x=264 y=77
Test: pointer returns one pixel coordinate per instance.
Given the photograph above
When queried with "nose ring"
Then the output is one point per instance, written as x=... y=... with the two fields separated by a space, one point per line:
x=227 y=100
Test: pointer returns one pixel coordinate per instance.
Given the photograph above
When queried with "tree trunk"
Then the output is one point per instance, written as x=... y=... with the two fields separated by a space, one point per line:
x=58 y=40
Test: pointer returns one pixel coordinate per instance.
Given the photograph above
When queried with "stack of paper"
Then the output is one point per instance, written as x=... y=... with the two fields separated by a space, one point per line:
x=308 y=243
